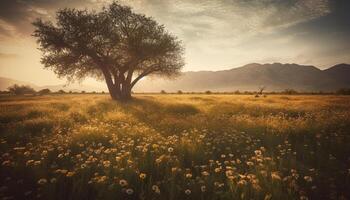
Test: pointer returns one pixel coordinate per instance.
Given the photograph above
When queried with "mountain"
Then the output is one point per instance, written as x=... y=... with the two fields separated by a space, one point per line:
x=7 y=82
x=340 y=72
x=275 y=77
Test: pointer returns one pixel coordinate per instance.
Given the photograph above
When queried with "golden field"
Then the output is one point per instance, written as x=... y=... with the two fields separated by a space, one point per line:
x=175 y=147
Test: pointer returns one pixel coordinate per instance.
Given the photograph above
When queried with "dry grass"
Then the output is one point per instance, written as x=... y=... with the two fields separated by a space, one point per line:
x=175 y=147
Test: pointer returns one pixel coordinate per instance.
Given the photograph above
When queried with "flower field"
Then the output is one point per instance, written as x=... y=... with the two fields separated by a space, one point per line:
x=175 y=147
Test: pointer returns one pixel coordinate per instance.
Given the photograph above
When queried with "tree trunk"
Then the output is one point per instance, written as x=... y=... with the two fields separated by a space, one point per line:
x=125 y=91
x=122 y=93
x=120 y=89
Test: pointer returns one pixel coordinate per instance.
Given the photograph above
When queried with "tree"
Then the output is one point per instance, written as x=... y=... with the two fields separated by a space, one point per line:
x=343 y=91
x=114 y=44
x=21 y=90
x=61 y=92
x=261 y=90
x=44 y=91
x=290 y=91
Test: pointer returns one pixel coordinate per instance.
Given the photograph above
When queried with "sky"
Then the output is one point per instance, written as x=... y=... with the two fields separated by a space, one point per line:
x=217 y=34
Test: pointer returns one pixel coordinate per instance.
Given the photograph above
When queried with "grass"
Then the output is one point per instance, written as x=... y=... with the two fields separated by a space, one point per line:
x=175 y=147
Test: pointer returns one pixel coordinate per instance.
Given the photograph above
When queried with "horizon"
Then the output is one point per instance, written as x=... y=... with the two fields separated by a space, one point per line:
x=289 y=38
x=100 y=84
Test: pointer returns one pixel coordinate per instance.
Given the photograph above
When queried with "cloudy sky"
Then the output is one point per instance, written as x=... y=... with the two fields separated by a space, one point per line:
x=217 y=34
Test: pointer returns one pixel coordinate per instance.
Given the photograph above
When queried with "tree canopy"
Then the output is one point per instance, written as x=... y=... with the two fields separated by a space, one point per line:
x=114 y=44
x=21 y=90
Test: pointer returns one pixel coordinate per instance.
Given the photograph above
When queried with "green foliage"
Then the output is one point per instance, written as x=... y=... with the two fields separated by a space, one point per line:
x=44 y=91
x=21 y=90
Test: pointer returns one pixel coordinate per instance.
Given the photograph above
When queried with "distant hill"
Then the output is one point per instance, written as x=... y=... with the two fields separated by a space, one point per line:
x=275 y=77
x=7 y=82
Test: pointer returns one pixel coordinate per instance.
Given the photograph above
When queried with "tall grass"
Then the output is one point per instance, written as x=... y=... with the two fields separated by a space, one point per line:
x=175 y=147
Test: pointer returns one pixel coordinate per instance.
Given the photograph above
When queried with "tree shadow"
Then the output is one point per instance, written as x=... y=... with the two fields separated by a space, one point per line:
x=166 y=118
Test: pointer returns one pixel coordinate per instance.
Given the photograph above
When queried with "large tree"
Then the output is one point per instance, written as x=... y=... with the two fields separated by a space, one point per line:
x=114 y=44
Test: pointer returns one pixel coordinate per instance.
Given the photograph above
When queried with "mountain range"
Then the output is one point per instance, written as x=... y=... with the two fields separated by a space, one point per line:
x=274 y=77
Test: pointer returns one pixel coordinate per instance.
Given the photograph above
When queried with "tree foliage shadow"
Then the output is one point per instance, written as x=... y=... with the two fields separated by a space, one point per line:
x=165 y=117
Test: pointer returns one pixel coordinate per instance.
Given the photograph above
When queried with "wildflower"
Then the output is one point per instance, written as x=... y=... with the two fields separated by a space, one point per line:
x=6 y=163
x=129 y=191
x=44 y=153
x=205 y=173
x=308 y=178
x=106 y=163
x=102 y=179
x=123 y=183
x=53 y=180
x=42 y=181
x=36 y=163
x=217 y=170
x=142 y=176
x=229 y=173
x=156 y=189
x=170 y=149
x=242 y=182
x=188 y=192
x=173 y=169
x=203 y=188
x=70 y=174
x=249 y=163
x=256 y=186
x=263 y=173
x=29 y=162
x=275 y=176
x=258 y=152
x=268 y=197
x=188 y=175
x=217 y=184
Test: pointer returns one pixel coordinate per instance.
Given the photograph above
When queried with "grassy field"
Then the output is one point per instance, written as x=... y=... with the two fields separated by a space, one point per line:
x=175 y=147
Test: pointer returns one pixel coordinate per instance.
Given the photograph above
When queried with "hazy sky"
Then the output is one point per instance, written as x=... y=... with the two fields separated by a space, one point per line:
x=217 y=34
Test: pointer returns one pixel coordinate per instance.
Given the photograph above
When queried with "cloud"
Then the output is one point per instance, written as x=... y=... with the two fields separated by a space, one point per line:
x=225 y=18
x=16 y=16
x=190 y=18
x=217 y=32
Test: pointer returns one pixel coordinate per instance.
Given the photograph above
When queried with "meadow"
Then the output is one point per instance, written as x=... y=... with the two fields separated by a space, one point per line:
x=175 y=147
